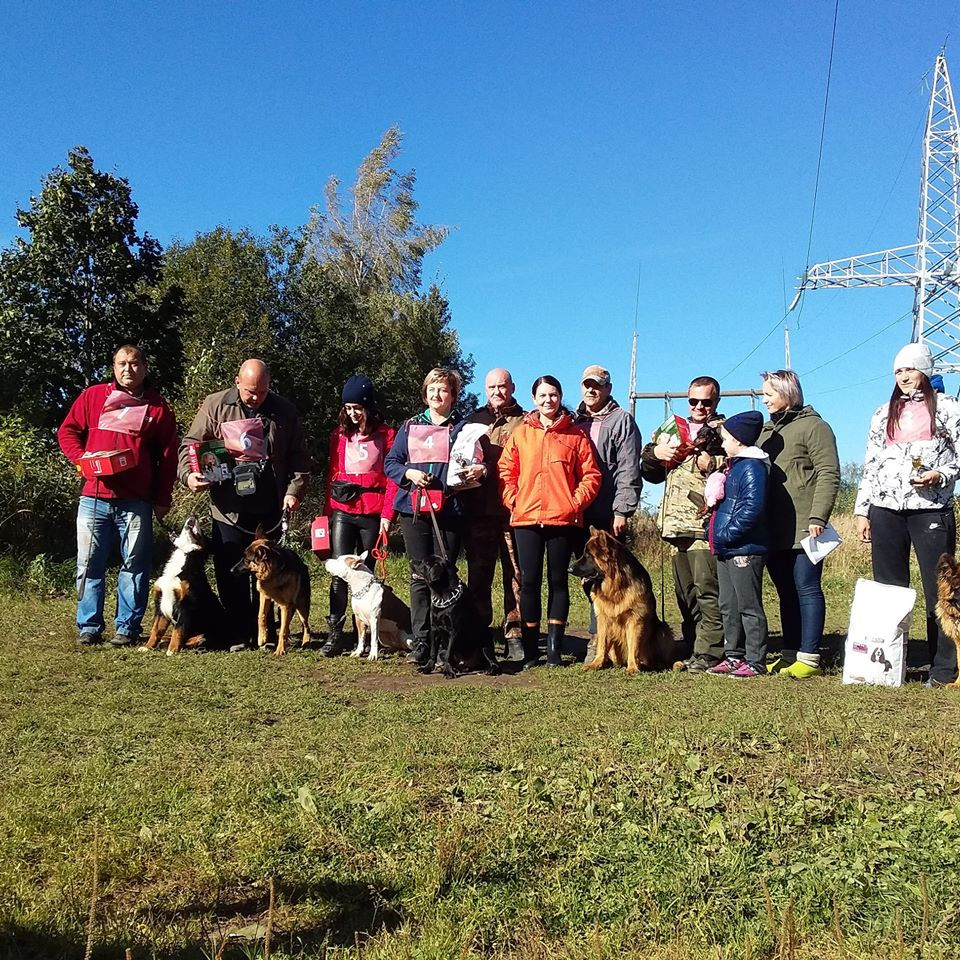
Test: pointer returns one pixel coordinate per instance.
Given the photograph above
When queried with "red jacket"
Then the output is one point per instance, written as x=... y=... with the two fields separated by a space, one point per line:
x=374 y=449
x=548 y=475
x=154 y=449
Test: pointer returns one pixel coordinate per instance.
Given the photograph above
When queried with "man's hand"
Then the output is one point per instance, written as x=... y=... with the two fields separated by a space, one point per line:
x=666 y=451
x=704 y=461
x=197 y=482
x=618 y=526
x=291 y=503
x=863 y=529
x=161 y=512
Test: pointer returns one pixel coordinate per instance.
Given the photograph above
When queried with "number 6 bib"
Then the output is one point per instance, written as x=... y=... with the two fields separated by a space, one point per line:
x=428 y=443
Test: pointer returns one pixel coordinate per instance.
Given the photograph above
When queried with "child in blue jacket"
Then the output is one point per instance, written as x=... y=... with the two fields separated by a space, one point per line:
x=738 y=537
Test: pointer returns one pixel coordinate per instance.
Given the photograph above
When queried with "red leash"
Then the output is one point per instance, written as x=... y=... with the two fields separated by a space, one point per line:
x=380 y=552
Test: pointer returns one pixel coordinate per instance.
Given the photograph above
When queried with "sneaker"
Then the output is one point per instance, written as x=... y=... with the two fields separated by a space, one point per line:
x=748 y=670
x=932 y=684
x=89 y=639
x=239 y=647
x=800 y=671
x=699 y=664
x=420 y=653
x=123 y=640
x=725 y=667
x=780 y=664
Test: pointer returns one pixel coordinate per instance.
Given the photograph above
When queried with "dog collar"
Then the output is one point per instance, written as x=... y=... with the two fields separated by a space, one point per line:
x=359 y=593
x=442 y=604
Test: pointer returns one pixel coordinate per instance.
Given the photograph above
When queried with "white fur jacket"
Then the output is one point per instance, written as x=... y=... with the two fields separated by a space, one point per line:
x=887 y=467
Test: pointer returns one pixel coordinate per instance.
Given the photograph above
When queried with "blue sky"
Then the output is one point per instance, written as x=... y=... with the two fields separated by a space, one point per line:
x=569 y=145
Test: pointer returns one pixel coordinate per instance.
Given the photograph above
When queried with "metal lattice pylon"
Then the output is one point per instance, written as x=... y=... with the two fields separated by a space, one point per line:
x=931 y=265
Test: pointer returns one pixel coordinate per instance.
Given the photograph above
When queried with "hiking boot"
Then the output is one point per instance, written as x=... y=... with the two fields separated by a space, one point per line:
x=123 y=640
x=89 y=639
x=334 y=645
x=419 y=653
x=530 y=639
x=591 y=653
x=555 y=633
x=801 y=671
x=747 y=670
x=725 y=667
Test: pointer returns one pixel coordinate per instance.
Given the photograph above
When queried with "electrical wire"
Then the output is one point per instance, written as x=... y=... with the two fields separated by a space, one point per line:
x=840 y=356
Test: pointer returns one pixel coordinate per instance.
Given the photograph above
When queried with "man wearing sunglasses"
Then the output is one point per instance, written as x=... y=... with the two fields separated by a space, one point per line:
x=684 y=473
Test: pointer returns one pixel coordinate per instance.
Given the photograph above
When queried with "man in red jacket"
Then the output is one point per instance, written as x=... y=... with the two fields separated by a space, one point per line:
x=121 y=415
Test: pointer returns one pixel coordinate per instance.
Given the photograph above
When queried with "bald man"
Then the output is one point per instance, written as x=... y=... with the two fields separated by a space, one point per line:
x=488 y=539
x=261 y=431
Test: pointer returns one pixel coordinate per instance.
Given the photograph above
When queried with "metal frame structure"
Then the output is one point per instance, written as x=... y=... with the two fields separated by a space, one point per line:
x=931 y=265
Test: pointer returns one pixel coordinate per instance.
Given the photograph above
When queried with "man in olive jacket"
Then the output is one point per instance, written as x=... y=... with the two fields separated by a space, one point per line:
x=276 y=476
x=682 y=526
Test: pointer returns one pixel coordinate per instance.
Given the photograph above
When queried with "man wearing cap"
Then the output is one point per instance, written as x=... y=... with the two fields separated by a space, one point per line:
x=488 y=537
x=126 y=415
x=684 y=475
x=261 y=431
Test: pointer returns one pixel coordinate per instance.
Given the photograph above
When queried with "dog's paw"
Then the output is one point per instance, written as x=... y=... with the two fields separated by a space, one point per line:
x=171 y=653
x=144 y=649
x=593 y=665
x=426 y=667
x=356 y=654
x=372 y=656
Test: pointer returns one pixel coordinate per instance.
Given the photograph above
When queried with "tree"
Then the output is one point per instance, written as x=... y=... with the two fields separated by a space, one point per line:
x=378 y=245
x=82 y=282
x=231 y=290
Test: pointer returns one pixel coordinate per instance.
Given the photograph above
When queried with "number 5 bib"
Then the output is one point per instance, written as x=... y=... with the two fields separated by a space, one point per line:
x=428 y=443
x=361 y=456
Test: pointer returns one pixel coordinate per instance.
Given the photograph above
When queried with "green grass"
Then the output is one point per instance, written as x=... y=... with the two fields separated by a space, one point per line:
x=550 y=814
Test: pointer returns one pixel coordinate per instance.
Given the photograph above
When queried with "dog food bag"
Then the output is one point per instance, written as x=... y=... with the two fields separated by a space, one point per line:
x=676 y=432
x=876 y=647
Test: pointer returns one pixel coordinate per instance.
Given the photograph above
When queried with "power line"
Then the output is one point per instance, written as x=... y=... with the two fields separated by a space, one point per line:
x=872 y=336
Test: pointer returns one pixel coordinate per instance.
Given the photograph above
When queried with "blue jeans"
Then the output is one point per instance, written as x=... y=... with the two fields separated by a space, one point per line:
x=803 y=609
x=98 y=524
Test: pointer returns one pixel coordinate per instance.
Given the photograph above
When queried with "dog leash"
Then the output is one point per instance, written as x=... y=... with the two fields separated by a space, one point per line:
x=380 y=552
x=436 y=530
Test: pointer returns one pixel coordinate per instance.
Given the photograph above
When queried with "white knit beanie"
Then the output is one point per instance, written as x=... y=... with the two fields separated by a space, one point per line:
x=915 y=356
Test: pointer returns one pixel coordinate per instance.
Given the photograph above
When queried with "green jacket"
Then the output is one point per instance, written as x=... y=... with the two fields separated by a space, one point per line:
x=804 y=475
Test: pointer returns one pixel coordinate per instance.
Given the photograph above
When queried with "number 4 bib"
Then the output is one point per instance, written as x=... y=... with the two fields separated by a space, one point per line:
x=428 y=443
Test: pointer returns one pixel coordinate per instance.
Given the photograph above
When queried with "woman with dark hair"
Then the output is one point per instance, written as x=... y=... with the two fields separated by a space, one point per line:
x=906 y=494
x=548 y=474
x=360 y=496
x=804 y=482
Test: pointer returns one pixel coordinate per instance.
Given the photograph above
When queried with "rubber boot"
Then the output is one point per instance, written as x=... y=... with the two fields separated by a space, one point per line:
x=530 y=640
x=334 y=645
x=513 y=649
x=555 y=633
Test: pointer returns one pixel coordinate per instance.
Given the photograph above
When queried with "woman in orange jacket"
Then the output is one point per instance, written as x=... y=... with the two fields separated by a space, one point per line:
x=548 y=475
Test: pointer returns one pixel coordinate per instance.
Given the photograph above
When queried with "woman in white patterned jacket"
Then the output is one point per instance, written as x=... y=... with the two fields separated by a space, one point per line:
x=906 y=494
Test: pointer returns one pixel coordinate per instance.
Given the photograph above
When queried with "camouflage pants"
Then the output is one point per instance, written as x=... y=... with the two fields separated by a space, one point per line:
x=486 y=542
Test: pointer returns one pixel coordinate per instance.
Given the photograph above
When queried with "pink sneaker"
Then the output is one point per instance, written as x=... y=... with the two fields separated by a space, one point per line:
x=747 y=670
x=726 y=667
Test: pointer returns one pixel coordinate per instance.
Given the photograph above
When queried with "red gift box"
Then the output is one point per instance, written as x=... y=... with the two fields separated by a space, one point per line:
x=320 y=537
x=105 y=463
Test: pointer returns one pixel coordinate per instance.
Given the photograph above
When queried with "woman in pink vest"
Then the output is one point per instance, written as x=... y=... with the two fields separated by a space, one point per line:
x=359 y=498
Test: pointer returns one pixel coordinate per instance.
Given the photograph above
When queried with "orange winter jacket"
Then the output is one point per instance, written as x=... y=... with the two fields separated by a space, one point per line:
x=548 y=476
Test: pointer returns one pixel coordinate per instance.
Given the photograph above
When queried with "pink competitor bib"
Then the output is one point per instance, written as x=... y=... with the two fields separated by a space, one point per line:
x=123 y=413
x=428 y=443
x=362 y=455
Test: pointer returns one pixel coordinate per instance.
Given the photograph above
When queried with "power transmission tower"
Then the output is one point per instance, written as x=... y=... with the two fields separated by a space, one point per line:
x=931 y=265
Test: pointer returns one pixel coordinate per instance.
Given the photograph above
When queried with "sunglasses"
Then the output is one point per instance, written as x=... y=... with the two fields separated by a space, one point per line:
x=697 y=402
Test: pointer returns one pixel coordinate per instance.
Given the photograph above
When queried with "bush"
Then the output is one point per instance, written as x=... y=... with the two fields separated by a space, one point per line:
x=38 y=492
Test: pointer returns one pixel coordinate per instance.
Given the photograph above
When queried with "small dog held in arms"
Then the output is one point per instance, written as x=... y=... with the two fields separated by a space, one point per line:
x=383 y=619
x=282 y=579
x=629 y=632
x=182 y=596
x=459 y=639
x=948 y=601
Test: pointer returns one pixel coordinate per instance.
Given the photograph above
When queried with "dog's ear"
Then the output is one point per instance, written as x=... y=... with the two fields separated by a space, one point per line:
x=593 y=530
x=260 y=533
x=363 y=556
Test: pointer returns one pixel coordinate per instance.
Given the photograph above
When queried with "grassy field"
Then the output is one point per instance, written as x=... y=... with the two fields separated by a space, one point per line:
x=388 y=815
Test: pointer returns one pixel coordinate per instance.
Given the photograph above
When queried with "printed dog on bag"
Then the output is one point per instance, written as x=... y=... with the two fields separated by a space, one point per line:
x=182 y=597
x=382 y=618
x=948 y=601
x=629 y=632
x=282 y=578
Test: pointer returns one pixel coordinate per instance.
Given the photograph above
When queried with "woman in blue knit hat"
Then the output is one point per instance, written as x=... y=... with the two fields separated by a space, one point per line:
x=359 y=500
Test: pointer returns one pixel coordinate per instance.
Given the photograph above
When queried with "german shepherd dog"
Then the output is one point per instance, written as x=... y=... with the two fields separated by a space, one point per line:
x=182 y=596
x=459 y=639
x=628 y=628
x=282 y=578
x=948 y=601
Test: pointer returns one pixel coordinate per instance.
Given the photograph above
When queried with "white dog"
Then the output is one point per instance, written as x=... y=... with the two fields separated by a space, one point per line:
x=377 y=610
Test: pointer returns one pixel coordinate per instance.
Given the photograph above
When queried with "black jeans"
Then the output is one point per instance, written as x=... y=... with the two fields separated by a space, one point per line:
x=932 y=533
x=349 y=533
x=558 y=543
x=420 y=542
x=238 y=594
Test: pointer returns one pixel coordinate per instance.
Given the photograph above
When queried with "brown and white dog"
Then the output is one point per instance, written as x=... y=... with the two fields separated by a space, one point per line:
x=378 y=611
x=948 y=601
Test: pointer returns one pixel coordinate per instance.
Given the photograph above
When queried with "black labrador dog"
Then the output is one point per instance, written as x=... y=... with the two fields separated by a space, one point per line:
x=459 y=639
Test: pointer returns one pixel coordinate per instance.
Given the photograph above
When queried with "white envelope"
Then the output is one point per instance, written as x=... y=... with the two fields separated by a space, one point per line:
x=816 y=548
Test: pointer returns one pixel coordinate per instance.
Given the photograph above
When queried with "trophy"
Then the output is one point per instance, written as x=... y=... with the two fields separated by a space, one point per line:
x=918 y=469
